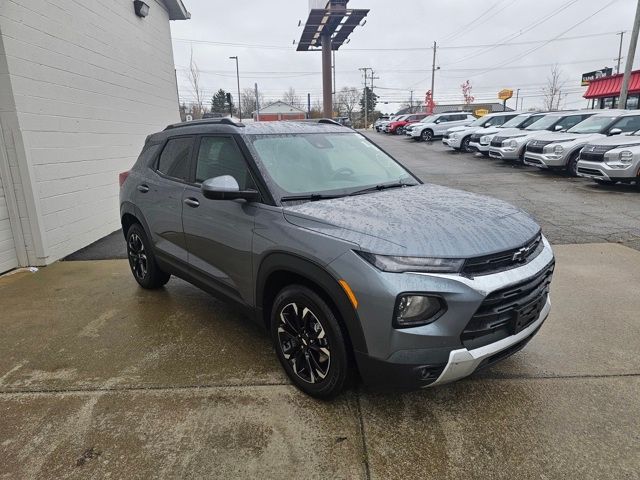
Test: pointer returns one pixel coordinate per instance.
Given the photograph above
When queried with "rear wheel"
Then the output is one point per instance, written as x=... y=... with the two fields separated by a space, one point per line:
x=309 y=342
x=141 y=260
x=572 y=164
x=427 y=135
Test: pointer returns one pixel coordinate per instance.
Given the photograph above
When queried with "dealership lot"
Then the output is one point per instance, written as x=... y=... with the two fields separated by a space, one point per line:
x=101 y=378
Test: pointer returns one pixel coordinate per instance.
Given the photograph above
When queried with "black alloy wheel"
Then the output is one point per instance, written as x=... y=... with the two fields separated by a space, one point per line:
x=309 y=342
x=427 y=135
x=142 y=261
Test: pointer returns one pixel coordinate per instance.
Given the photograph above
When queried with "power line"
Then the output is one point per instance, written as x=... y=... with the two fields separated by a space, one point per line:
x=466 y=27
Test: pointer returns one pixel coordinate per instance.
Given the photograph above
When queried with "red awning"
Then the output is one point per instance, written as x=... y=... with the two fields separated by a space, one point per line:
x=611 y=86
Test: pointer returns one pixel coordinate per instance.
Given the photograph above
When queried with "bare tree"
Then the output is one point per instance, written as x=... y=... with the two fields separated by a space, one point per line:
x=291 y=98
x=553 y=91
x=193 y=75
x=348 y=99
x=466 y=93
x=248 y=101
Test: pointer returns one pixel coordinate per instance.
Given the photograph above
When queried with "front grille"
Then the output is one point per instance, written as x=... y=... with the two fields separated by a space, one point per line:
x=537 y=146
x=508 y=311
x=595 y=153
x=446 y=135
x=498 y=262
x=497 y=141
x=590 y=171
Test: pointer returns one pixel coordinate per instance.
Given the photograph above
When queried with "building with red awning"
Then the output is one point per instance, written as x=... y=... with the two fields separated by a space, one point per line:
x=604 y=92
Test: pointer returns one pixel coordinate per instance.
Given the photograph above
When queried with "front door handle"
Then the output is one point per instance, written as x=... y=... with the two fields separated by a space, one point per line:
x=143 y=188
x=192 y=202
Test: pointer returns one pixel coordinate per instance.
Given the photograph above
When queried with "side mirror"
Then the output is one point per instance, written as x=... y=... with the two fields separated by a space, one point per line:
x=615 y=131
x=226 y=187
x=557 y=128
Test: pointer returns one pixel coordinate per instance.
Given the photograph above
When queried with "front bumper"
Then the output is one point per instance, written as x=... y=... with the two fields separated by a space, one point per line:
x=437 y=353
x=542 y=160
x=602 y=171
x=503 y=153
x=452 y=142
x=478 y=147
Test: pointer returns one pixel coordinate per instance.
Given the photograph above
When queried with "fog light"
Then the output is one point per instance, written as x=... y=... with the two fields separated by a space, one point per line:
x=414 y=310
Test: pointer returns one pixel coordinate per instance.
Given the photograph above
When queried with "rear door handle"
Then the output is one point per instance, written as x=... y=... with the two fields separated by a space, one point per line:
x=143 y=188
x=192 y=202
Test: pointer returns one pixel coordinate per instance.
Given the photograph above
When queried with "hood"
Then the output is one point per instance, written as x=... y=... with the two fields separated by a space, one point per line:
x=615 y=140
x=425 y=220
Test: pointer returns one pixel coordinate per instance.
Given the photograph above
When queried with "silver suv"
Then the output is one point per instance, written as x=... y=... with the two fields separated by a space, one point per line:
x=343 y=255
x=459 y=138
x=437 y=125
x=480 y=140
x=560 y=150
x=608 y=160
x=511 y=146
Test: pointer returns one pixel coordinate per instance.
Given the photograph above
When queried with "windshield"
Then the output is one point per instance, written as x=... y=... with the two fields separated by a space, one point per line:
x=544 y=122
x=481 y=122
x=325 y=163
x=596 y=124
x=429 y=119
x=515 y=121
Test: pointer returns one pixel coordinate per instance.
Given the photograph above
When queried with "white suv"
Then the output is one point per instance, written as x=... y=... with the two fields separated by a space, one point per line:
x=611 y=159
x=437 y=125
x=479 y=141
x=458 y=138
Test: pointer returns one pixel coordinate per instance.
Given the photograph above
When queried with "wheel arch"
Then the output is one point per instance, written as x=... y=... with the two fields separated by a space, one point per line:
x=280 y=269
x=130 y=214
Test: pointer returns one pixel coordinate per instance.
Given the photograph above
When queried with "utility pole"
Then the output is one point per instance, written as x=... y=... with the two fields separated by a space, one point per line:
x=327 y=88
x=308 y=105
x=619 y=52
x=257 y=103
x=333 y=67
x=238 y=78
x=411 y=102
x=433 y=71
x=366 y=100
x=517 y=97
x=624 y=92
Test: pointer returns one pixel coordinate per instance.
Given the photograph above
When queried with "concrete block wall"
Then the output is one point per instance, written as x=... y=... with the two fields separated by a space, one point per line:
x=90 y=81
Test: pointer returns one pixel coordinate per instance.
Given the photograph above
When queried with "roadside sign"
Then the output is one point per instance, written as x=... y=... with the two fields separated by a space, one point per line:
x=189 y=118
x=481 y=112
x=590 y=76
x=505 y=94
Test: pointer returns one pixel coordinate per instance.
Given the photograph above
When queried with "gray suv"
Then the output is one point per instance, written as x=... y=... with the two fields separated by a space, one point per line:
x=347 y=259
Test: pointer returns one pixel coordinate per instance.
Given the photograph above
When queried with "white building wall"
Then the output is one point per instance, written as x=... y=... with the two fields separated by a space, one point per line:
x=90 y=81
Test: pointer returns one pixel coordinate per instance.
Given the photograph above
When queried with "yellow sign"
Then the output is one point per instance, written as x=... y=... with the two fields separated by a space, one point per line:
x=505 y=94
x=481 y=112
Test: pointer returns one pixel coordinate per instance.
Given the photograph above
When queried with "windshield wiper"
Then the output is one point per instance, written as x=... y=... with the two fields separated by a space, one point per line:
x=382 y=186
x=309 y=196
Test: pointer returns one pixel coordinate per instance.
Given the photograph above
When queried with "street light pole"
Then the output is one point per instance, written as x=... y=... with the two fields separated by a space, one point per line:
x=624 y=91
x=238 y=79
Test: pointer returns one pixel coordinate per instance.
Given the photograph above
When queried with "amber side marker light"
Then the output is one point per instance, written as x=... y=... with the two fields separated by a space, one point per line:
x=347 y=289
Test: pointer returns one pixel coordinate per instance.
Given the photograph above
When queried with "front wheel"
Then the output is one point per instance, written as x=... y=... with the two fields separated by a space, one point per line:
x=464 y=145
x=141 y=260
x=572 y=164
x=427 y=135
x=309 y=342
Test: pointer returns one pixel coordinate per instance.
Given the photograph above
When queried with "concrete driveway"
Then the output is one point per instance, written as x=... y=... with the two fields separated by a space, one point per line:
x=101 y=379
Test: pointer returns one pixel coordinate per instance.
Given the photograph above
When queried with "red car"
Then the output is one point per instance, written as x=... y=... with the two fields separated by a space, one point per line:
x=397 y=127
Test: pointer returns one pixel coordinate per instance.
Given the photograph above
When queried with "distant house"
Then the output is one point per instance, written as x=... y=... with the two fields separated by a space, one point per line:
x=279 y=111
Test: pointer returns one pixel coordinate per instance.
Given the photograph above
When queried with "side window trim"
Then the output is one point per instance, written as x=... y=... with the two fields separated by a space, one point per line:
x=156 y=162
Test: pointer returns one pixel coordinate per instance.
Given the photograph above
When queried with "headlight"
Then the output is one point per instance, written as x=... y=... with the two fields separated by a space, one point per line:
x=454 y=136
x=413 y=310
x=396 y=264
x=510 y=144
x=558 y=149
x=625 y=156
x=484 y=140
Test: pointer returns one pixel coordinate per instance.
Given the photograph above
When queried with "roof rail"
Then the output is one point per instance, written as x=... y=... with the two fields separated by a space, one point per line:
x=206 y=121
x=329 y=121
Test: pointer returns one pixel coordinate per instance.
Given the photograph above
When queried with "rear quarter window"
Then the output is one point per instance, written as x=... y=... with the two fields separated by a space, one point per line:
x=174 y=159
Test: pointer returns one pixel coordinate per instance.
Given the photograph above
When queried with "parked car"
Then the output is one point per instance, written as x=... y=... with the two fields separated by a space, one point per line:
x=436 y=125
x=398 y=126
x=381 y=119
x=480 y=140
x=341 y=253
x=511 y=146
x=612 y=159
x=398 y=118
x=560 y=150
x=459 y=138
x=346 y=121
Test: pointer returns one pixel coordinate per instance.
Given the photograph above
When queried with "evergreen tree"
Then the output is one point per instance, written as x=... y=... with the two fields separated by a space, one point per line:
x=219 y=105
x=372 y=100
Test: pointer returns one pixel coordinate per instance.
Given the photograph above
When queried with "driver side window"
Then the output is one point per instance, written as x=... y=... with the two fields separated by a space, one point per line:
x=221 y=156
x=628 y=124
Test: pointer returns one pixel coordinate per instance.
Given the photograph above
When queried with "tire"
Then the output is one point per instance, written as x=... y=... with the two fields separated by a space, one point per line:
x=572 y=164
x=142 y=262
x=464 y=145
x=304 y=330
x=427 y=135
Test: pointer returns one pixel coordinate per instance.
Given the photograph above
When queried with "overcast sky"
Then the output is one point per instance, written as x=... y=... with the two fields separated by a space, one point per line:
x=396 y=43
